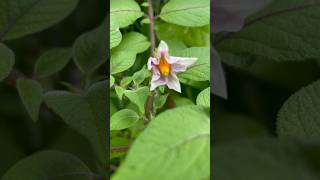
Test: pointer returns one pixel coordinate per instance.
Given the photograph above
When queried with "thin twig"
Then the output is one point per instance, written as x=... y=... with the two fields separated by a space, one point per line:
x=119 y=148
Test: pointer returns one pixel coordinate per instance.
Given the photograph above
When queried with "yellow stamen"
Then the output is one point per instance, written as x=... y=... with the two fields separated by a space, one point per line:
x=164 y=66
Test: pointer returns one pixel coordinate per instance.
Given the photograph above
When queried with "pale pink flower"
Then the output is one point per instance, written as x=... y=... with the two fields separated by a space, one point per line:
x=165 y=68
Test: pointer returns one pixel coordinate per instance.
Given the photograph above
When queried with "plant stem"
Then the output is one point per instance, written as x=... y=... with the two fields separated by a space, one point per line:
x=152 y=36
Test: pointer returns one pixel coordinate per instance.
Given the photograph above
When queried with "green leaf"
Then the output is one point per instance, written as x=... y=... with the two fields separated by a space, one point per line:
x=299 y=116
x=111 y=81
x=30 y=92
x=125 y=81
x=52 y=61
x=49 y=165
x=145 y=21
x=139 y=76
x=138 y=97
x=187 y=12
x=121 y=61
x=163 y=149
x=123 y=119
x=84 y=113
x=115 y=35
x=90 y=49
x=203 y=98
x=124 y=12
x=119 y=91
x=6 y=61
x=284 y=31
x=260 y=159
x=20 y=18
x=160 y=101
x=199 y=71
x=182 y=101
x=133 y=41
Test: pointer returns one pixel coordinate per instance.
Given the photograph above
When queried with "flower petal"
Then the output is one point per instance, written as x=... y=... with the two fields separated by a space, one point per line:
x=163 y=49
x=173 y=82
x=155 y=73
x=161 y=81
x=180 y=64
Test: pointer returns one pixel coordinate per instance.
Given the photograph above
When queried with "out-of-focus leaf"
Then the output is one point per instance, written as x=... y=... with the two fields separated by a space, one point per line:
x=30 y=92
x=6 y=61
x=187 y=12
x=163 y=155
x=138 y=97
x=124 y=12
x=203 y=98
x=49 y=165
x=21 y=18
x=52 y=61
x=123 y=119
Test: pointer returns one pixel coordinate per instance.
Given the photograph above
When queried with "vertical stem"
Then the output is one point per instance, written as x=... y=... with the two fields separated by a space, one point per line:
x=152 y=36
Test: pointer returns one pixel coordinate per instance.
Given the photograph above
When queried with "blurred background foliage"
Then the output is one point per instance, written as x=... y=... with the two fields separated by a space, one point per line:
x=19 y=135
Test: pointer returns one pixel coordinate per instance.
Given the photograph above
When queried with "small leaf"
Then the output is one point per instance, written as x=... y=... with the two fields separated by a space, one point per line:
x=199 y=71
x=119 y=91
x=139 y=76
x=121 y=61
x=111 y=81
x=124 y=12
x=299 y=116
x=133 y=41
x=123 y=119
x=6 y=61
x=115 y=35
x=138 y=97
x=187 y=12
x=49 y=165
x=145 y=21
x=52 y=61
x=125 y=81
x=203 y=98
x=160 y=101
x=30 y=92
x=90 y=49
x=164 y=146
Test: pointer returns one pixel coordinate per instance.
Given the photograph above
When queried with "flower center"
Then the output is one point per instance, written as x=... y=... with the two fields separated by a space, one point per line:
x=164 y=66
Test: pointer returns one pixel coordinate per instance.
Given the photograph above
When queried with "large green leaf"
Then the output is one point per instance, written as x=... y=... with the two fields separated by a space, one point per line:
x=284 y=31
x=30 y=92
x=138 y=97
x=90 y=49
x=19 y=18
x=260 y=159
x=175 y=145
x=49 y=165
x=199 y=71
x=187 y=12
x=121 y=61
x=123 y=119
x=133 y=41
x=84 y=113
x=52 y=61
x=115 y=34
x=299 y=117
x=203 y=98
x=124 y=12
x=6 y=61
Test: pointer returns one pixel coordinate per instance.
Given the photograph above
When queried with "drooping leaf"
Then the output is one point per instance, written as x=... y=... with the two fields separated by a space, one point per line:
x=138 y=97
x=90 y=49
x=163 y=155
x=187 y=12
x=284 y=31
x=6 y=61
x=84 y=113
x=20 y=18
x=199 y=71
x=52 y=61
x=260 y=159
x=299 y=116
x=30 y=92
x=115 y=34
x=49 y=165
x=121 y=61
x=203 y=98
x=133 y=41
x=124 y=12
x=123 y=119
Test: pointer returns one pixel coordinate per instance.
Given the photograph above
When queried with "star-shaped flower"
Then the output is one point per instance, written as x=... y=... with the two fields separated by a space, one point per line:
x=165 y=68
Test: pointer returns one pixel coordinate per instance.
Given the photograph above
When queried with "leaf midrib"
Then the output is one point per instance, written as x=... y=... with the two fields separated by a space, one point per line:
x=184 y=9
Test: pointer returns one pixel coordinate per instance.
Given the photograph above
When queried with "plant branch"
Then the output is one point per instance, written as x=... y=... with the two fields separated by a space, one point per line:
x=152 y=36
